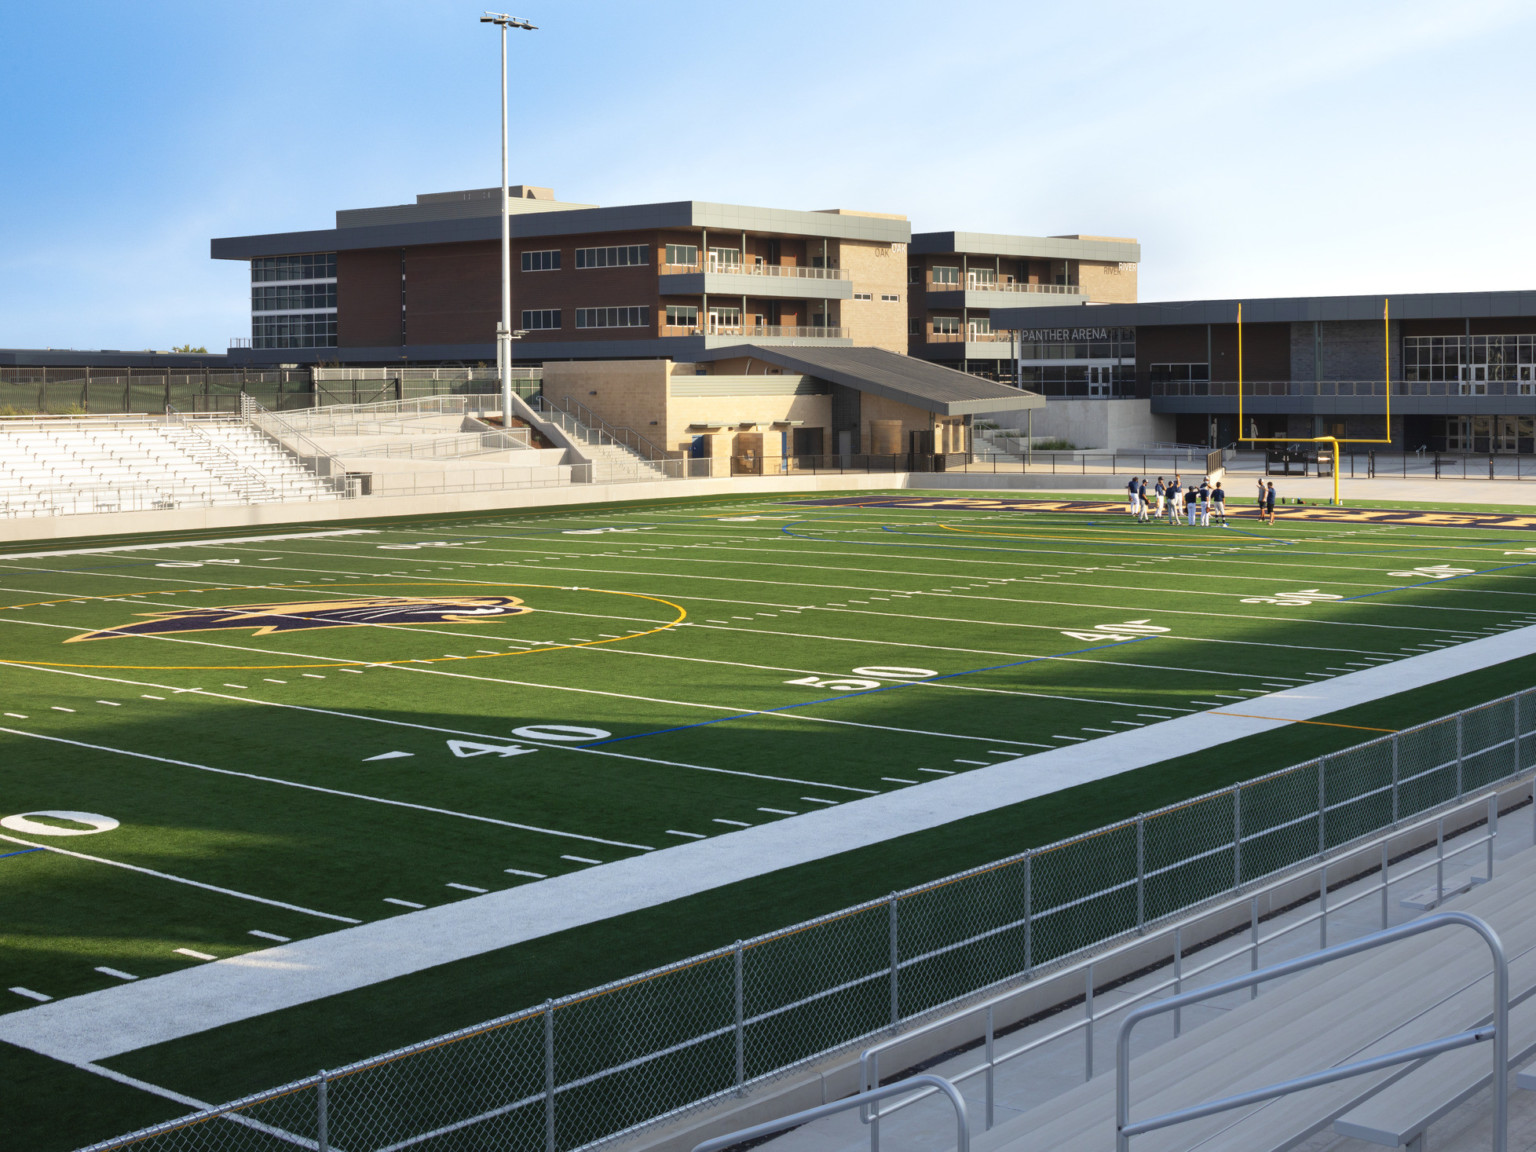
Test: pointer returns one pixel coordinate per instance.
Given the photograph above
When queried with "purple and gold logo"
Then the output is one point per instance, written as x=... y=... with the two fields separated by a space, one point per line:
x=295 y=617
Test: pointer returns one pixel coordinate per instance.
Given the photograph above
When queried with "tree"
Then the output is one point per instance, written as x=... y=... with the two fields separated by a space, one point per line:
x=188 y=348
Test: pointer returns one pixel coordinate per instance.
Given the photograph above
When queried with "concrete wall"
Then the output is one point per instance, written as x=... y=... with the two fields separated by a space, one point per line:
x=625 y=393
x=1114 y=424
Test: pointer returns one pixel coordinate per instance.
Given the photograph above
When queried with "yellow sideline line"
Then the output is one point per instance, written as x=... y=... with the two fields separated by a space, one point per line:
x=682 y=614
x=1322 y=723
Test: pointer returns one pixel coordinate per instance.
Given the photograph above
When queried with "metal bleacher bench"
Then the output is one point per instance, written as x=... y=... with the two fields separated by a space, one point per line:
x=1406 y=993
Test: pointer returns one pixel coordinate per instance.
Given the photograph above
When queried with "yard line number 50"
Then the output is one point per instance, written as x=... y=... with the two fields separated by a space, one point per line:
x=857 y=683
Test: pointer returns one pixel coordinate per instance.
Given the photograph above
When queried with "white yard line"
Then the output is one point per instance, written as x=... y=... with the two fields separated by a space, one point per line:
x=182 y=880
x=212 y=543
x=152 y=1011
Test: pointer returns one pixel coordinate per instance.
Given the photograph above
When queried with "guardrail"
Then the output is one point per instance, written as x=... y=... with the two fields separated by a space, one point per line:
x=1498 y=1033
x=304 y=450
x=786 y=271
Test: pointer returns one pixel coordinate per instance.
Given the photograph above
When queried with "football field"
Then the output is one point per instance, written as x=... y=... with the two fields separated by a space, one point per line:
x=209 y=747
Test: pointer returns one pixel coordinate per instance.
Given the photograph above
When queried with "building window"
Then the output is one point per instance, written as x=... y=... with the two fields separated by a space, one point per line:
x=537 y=319
x=724 y=318
x=914 y=326
x=982 y=277
x=914 y=274
x=314 y=266
x=294 y=330
x=610 y=258
x=890 y=299
x=638 y=316
x=293 y=297
x=686 y=255
x=682 y=316
x=946 y=325
x=981 y=324
x=943 y=275
x=863 y=296
x=1163 y=373
x=542 y=262
x=724 y=258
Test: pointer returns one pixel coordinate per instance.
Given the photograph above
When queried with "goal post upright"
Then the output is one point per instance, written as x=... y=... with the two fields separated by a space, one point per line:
x=1335 y=441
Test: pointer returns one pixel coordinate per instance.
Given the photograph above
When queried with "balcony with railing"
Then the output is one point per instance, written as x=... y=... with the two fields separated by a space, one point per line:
x=781 y=281
x=735 y=332
x=974 y=336
x=983 y=291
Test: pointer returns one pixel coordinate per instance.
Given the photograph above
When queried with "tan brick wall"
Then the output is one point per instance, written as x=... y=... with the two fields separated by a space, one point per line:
x=812 y=411
x=874 y=407
x=628 y=393
x=880 y=270
x=1108 y=283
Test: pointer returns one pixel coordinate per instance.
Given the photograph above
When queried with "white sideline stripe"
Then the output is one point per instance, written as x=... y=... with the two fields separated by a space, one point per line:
x=181 y=880
x=191 y=543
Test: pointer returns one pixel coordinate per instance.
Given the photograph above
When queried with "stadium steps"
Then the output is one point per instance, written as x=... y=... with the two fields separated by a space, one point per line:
x=1388 y=998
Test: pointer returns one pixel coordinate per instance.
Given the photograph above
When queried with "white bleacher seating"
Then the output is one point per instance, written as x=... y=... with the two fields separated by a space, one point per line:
x=1351 y=1009
x=75 y=465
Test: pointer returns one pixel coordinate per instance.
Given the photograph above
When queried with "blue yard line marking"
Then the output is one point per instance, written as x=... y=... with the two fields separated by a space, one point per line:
x=1439 y=580
x=863 y=692
x=23 y=852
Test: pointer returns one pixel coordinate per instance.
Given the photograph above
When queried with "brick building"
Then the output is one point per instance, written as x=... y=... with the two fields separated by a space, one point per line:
x=420 y=283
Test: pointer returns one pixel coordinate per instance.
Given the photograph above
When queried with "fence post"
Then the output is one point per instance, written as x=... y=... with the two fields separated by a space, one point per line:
x=322 y=1114
x=1237 y=836
x=1029 y=917
x=1322 y=805
x=1386 y=862
x=895 y=966
x=1493 y=829
x=549 y=1076
x=741 y=1026
x=1141 y=874
x=1459 y=716
x=1088 y=1027
x=1394 y=780
x=1253 y=949
x=1519 y=764
x=1178 y=977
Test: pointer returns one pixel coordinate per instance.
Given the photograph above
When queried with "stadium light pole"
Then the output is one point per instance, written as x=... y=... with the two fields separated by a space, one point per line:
x=504 y=328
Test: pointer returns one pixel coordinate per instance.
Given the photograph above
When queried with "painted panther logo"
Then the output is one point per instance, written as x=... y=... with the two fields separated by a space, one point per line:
x=295 y=617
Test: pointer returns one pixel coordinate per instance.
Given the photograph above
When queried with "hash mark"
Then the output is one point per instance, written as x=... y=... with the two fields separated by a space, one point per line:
x=581 y=859
x=269 y=935
x=403 y=903
x=689 y=835
x=819 y=800
x=114 y=972
x=779 y=811
x=31 y=995
x=194 y=955
x=466 y=888
x=897 y=780
x=736 y=823
x=110 y=703
x=520 y=872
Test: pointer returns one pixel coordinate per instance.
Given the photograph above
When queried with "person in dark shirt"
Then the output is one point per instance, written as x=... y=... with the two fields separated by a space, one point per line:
x=1269 y=504
x=1219 y=503
x=1131 y=491
x=1174 y=501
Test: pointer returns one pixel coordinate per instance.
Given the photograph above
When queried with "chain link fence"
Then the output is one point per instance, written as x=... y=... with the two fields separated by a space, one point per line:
x=612 y=1060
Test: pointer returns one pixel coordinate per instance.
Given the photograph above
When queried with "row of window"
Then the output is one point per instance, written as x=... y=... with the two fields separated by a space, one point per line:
x=1439 y=358
x=292 y=297
x=308 y=330
x=619 y=257
x=634 y=316
x=314 y=266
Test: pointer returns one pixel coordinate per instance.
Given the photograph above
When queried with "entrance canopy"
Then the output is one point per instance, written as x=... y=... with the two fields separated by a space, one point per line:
x=903 y=379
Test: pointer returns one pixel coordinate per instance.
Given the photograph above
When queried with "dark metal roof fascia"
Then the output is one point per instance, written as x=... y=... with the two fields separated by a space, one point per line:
x=1273 y=310
x=994 y=398
x=567 y=222
x=1043 y=247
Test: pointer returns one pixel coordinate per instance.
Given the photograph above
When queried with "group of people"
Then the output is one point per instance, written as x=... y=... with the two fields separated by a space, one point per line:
x=1174 y=501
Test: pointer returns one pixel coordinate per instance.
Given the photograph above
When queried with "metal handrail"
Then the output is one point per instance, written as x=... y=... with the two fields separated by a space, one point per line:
x=263 y=483
x=1498 y=1033
x=869 y=1059
x=788 y=271
x=587 y=420
x=259 y=417
x=860 y=1100
x=458 y=445
x=973 y=284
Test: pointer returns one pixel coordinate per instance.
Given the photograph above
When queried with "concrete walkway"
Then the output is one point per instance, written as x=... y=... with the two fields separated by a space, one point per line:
x=115 y=1020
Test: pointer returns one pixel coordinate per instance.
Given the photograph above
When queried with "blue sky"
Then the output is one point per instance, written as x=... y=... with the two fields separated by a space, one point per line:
x=1261 y=149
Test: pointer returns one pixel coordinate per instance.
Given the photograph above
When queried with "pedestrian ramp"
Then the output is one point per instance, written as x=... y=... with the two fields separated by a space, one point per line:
x=1406 y=993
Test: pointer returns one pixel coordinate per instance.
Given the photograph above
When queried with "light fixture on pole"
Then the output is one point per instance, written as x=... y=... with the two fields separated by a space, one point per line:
x=504 y=326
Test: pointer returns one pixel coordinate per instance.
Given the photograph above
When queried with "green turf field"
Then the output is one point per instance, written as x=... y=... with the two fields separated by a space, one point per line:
x=337 y=728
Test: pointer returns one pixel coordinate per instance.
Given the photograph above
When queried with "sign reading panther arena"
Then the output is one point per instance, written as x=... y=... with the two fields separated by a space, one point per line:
x=294 y=617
